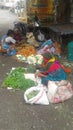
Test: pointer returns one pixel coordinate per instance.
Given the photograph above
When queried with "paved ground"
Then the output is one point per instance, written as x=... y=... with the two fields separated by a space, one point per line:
x=15 y=114
x=6 y=21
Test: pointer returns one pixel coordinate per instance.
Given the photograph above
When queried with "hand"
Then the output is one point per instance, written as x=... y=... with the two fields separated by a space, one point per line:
x=39 y=74
x=12 y=47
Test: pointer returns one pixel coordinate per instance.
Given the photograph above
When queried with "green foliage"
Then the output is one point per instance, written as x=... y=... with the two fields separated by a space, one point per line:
x=32 y=94
x=16 y=79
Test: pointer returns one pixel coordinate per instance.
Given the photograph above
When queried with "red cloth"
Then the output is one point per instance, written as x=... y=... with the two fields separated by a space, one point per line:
x=54 y=66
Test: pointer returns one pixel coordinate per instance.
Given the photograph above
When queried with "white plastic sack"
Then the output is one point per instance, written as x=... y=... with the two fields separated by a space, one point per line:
x=59 y=91
x=40 y=98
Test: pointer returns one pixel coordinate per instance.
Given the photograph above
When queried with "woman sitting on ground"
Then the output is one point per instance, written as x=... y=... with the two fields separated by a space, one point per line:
x=8 y=42
x=51 y=69
x=47 y=46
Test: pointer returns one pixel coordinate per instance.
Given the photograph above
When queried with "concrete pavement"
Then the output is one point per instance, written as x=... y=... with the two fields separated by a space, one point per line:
x=7 y=20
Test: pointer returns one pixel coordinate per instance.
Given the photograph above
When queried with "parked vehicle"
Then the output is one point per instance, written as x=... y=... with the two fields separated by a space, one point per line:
x=49 y=11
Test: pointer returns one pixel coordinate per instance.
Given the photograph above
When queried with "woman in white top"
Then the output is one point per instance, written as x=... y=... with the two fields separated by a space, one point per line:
x=8 y=42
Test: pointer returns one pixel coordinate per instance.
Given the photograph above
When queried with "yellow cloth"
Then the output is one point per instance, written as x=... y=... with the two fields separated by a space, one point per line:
x=52 y=59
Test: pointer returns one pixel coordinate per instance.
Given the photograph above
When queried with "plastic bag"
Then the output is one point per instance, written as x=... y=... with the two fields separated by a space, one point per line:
x=59 y=91
x=39 y=98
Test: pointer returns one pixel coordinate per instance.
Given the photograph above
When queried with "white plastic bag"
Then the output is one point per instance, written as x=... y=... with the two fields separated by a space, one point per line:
x=40 y=98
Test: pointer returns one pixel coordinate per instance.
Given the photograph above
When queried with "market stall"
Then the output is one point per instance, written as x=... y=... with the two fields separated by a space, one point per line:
x=57 y=31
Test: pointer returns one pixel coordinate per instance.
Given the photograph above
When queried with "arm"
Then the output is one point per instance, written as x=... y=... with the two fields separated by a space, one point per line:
x=40 y=74
x=10 y=40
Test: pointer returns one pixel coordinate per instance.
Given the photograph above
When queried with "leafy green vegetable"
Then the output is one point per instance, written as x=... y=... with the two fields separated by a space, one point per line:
x=16 y=79
x=32 y=94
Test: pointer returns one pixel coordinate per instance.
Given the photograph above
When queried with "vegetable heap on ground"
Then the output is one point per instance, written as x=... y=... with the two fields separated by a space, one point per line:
x=26 y=50
x=16 y=79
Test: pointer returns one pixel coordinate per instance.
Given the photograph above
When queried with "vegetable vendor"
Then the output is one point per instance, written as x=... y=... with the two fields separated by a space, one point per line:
x=50 y=47
x=51 y=71
x=47 y=46
x=8 y=42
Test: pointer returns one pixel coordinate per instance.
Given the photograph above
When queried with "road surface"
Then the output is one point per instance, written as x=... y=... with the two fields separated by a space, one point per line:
x=7 y=20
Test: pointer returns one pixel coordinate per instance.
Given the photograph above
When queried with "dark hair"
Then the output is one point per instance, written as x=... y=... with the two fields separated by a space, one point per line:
x=10 y=32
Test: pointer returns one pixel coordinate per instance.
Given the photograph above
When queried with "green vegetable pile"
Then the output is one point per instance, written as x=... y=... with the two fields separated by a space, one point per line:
x=32 y=94
x=16 y=79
